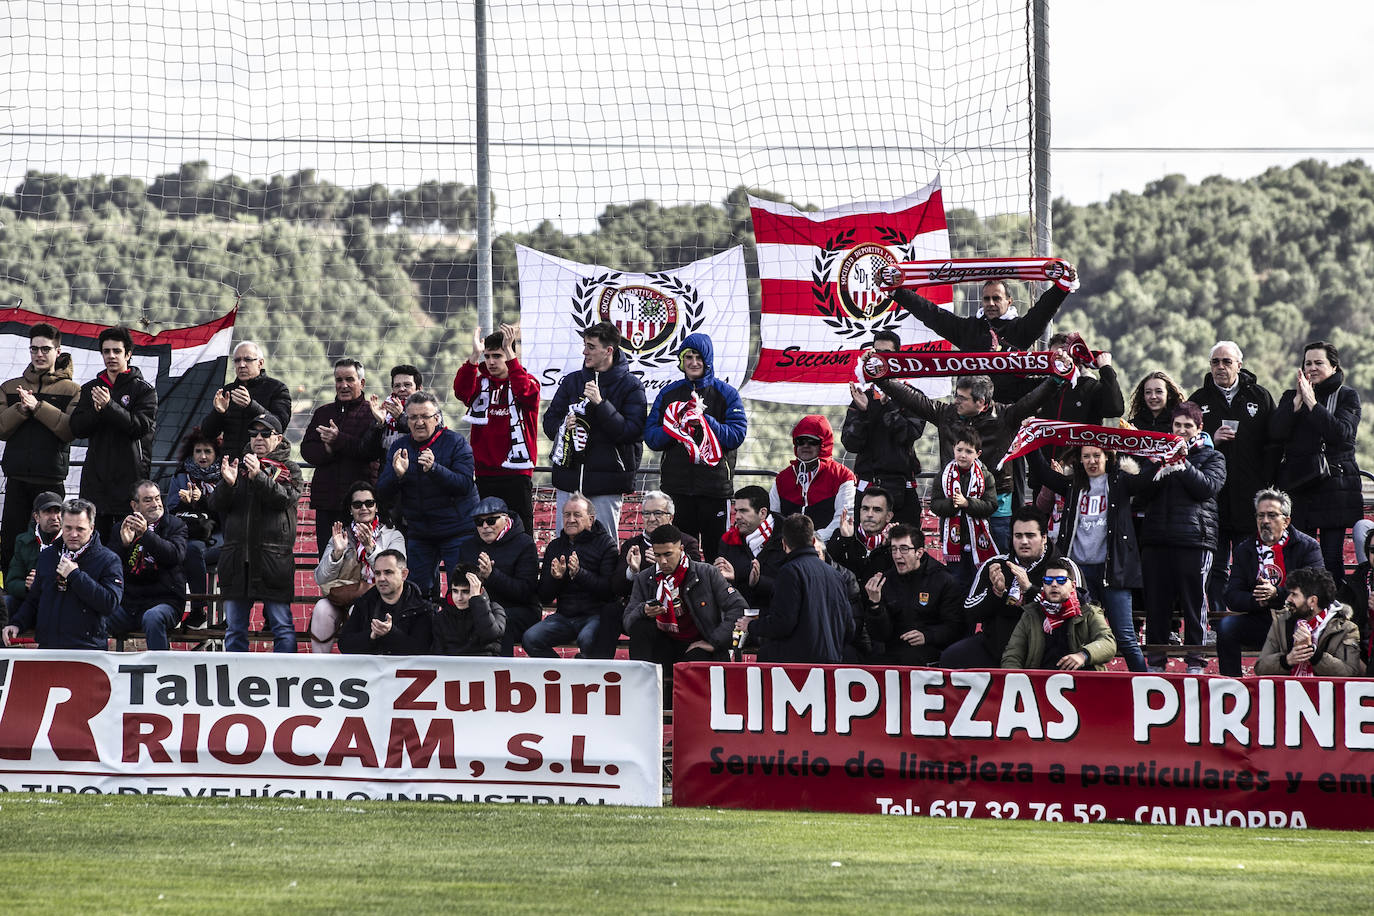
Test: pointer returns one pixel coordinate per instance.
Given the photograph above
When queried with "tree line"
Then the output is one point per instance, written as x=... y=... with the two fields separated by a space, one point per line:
x=1270 y=262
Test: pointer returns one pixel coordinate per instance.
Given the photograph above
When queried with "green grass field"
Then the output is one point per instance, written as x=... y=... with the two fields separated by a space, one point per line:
x=88 y=853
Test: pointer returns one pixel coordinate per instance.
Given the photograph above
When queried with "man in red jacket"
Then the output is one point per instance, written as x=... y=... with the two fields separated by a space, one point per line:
x=503 y=407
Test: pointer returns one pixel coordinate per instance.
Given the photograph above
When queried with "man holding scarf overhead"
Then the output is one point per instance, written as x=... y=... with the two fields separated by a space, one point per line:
x=697 y=423
x=503 y=406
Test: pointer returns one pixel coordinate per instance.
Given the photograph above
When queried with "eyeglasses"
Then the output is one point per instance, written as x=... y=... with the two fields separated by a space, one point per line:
x=421 y=416
x=485 y=520
x=901 y=549
x=363 y=503
x=1055 y=580
x=655 y=513
x=260 y=433
x=246 y=359
x=41 y=349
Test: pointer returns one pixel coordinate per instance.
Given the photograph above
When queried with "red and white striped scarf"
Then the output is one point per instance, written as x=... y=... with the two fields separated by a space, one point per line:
x=364 y=561
x=667 y=590
x=1314 y=626
x=951 y=528
x=1271 y=566
x=918 y=274
x=685 y=421
x=1059 y=613
x=873 y=541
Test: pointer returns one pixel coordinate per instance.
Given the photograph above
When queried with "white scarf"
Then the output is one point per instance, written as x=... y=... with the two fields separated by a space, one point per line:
x=760 y=535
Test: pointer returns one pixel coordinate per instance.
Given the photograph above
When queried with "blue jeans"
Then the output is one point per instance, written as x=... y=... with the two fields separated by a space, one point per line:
x=1001 y=532
x=1116 y=605
x=278 y=617
x=1236 y=632
x=154 y=622
x=423 y=556
x=558 y=629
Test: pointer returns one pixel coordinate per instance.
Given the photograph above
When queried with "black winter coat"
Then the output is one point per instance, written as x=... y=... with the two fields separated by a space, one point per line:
x=1301 y=552
x=155 y=575
x=715 y=605
x=349 y=459
x=1335 y=502
x=1181 y=508
x=476 y=631
x=615 y=440
x=926 y=599
x=1123 y=551
x=882 y=439
x=258 y=559
x=976 y=333
x=514 y=579
x=1090 y=401
x=770 y=559
x=589 y=592
x=810 y=620
x=622 y=580
x=411 y=621
x=266 y=395
x=73 y=618
x=120 y=439
x=851 y=553
x=1251 y=457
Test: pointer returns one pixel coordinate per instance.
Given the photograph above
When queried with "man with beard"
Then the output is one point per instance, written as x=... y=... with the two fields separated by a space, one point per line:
x=76 y=588
x=1314 y=636
x=576 y=579
x=117 y=414
x=393 y=617
x=507 y=564
x=251 y=394
x=35 y=424
x=1235 y=413
x=1001 y=588
x=864 y=551
x=47 y=527
x=152 y=546
x=751 y=551
x=336 y=443
x=1256 y=587
x=1055 y=632
x=914 y=607
x=256 y=499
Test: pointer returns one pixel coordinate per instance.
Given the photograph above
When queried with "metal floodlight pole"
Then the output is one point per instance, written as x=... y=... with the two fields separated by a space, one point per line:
x=1041 y=89
x=484 y=317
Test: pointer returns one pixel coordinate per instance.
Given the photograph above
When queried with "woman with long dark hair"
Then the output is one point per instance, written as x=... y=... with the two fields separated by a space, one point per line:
x=1315 y=422
x=1153 y=402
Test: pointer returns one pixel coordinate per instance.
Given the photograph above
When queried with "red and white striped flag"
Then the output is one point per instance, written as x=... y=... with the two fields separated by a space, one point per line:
x=820 y=307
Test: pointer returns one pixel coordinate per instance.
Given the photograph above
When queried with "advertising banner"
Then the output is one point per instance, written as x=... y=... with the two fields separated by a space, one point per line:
x=349 y=727
x=1030 y=745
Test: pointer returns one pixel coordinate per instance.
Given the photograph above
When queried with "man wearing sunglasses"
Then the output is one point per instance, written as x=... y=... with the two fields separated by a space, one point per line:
x=251 y=394
x=506 y=561
x=35 y=423
x=1056 y=631
x=337 y=443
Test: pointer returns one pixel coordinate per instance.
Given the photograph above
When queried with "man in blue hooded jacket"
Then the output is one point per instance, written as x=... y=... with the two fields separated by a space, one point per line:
x=698 y=423
x=596 y=422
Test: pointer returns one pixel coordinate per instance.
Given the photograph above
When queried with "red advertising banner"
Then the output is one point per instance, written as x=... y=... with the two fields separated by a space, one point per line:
x=1030 y=745
x=348 y=727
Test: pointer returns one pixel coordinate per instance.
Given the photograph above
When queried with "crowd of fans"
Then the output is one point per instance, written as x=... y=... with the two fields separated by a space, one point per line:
x=425 y=535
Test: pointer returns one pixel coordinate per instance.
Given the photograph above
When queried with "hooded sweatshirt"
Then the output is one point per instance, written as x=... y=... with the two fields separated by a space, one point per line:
x=818 y=489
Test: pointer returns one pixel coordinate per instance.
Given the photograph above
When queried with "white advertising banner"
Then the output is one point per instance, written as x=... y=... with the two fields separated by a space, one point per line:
x=345 y=727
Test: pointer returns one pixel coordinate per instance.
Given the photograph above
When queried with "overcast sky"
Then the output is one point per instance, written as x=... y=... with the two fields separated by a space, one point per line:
x=607 y=101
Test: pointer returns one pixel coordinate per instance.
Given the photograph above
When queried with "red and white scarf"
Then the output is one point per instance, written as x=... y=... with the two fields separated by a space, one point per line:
x=952 y=528
x=667 y=592
x=1314 y=626
x=926 y=362
x=754 y=539
x=1271 y=565
x=364 y=560
x=1059 y=613
x=491 y=396
x=685 y=421
x=873 y=541
x=1165 y=447
x=918 y=274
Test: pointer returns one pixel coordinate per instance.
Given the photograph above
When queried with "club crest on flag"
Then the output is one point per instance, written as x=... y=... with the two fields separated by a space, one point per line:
x=843 y=282
x=653 y=313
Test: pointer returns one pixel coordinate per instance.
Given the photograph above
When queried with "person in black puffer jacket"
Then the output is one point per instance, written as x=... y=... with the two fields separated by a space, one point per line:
x=1321 y=417
x=882 y=438
x=1179 y=534
x=251 y=394
x=507 y=562
x=469 y=622
x=596 y=421
x=576 y=577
